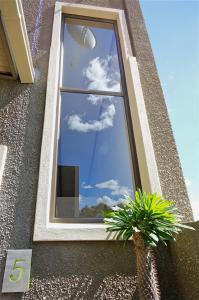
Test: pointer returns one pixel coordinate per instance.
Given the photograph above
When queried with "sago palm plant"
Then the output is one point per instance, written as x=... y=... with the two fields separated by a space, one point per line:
x=147 y=219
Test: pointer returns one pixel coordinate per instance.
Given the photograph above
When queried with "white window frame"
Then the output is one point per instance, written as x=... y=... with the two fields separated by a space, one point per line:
x=44 y=229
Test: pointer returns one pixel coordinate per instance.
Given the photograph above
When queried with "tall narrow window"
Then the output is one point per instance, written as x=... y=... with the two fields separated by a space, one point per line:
x=94 y=164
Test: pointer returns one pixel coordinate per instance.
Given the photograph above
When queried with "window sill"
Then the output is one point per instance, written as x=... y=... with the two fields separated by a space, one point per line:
x=71 y=232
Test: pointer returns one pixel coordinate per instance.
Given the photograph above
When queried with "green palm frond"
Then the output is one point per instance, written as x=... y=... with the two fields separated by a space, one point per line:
x=152 y=216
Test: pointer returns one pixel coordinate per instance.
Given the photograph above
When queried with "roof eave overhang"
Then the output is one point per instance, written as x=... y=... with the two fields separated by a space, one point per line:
x=17 y=38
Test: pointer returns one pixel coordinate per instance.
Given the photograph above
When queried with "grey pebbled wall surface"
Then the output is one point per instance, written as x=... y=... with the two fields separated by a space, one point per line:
x=185 y=253
x=89 y=270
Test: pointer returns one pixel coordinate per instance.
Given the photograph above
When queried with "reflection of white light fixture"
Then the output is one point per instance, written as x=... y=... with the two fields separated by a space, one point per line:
x=82 y=35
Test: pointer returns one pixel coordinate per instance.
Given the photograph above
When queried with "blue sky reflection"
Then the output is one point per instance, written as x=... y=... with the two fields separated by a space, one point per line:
x=102 y=153
x=90 y=68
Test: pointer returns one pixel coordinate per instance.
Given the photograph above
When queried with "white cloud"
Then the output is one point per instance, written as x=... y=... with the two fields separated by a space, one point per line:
x=75 y=122
x=102 y=75
x=108 y=201
x=110 y=184
x=95 y=99
x=114 y=186
x=188 y=182
x=84 y=186
x=122 y=190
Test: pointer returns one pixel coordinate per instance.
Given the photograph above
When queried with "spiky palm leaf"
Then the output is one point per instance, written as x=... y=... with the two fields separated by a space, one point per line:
x=148 y=219
x=152 y=216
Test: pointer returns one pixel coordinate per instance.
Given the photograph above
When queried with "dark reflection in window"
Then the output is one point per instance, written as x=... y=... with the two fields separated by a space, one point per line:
x=67 y=203
x=94 y=163
x=90 y=58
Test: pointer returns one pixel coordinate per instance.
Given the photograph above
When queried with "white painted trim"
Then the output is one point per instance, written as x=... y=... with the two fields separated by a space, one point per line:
x=3 y=155
x=145 y=152
x=71 y=232
x=16 y=33
x=44 y=230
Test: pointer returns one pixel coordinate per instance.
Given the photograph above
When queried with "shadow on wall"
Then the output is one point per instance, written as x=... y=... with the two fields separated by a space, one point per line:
x=118 y=286
x=185 y=256
x=82 y=270
x=180 y=262
x=10 y=91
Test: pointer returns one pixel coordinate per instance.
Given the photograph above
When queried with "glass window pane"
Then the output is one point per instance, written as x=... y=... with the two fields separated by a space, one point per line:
x=94 y=162
x=90 y=58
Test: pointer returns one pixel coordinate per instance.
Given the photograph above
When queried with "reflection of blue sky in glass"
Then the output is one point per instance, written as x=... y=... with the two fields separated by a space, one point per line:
x=102 y=154
x=90 y=68
x=93 y=130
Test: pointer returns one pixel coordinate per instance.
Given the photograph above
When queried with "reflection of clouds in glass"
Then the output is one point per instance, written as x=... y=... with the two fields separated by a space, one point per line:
x=95 y=99
x=109 y=202
x=75 y=122
x=114 y=186
x=115 y=195
x=102 y=75
x=83 y=201
x=84 y=186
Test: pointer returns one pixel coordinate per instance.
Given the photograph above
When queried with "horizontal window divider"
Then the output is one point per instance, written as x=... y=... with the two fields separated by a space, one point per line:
x=77 y=220
x=93 y=92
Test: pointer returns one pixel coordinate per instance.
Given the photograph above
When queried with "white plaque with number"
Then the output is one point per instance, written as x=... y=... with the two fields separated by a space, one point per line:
x=17 y=271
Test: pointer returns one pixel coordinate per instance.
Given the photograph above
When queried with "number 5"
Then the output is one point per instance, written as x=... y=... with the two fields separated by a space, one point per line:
x=19 y=268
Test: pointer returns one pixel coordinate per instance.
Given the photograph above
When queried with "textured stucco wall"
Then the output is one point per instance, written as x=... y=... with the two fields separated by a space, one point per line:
x=180 y=261
x=185 y=254
x=103 y=270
